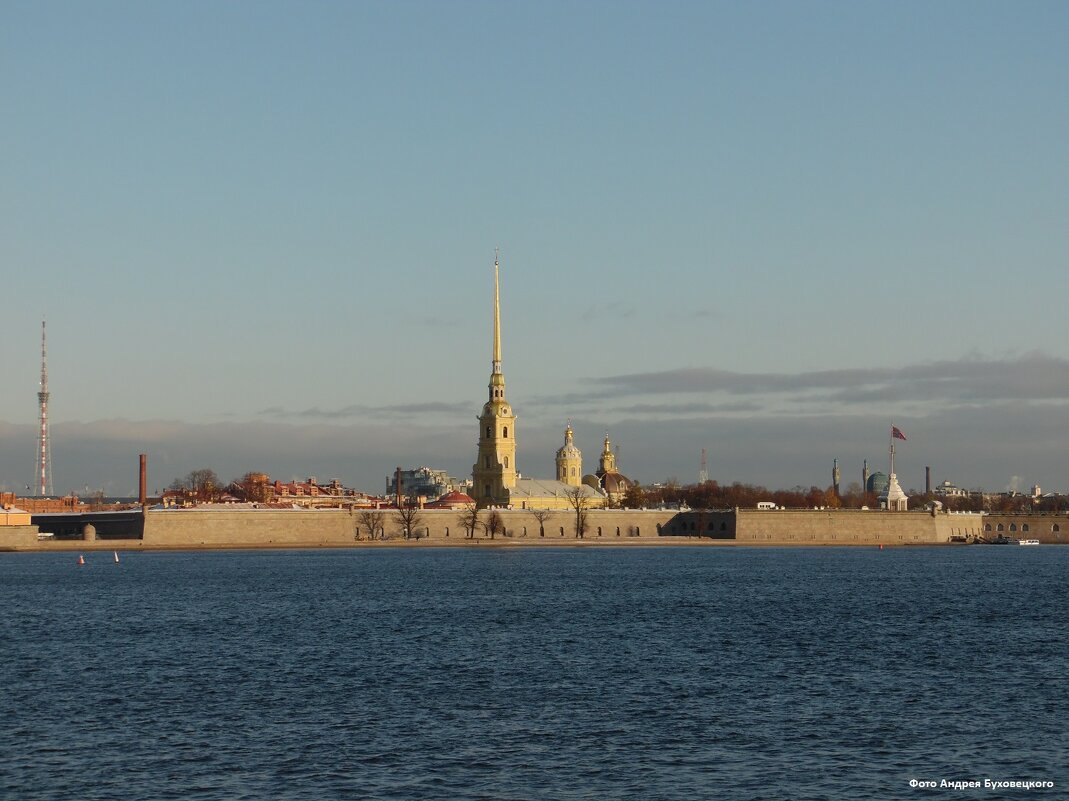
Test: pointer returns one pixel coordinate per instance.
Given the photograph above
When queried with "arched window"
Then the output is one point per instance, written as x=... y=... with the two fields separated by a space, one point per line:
x=1013 y=526
x=447 y=531
x=637 y=531
x=987 y=526
x=999 y=527
x=562 y=531
x=506 y=461
x=488 y=434
x=1055 y=528
x=599 y=531
x=617 y=531
x=506 y=434
x=525 y=531
x=1024 y=527
x=573 y=472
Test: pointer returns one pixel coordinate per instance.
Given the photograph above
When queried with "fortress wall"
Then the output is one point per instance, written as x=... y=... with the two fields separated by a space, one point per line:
x=310 y=528
x=1047 y=528
x=193 y=527
x=848 y=527
x=17 y=537
x=222 y=527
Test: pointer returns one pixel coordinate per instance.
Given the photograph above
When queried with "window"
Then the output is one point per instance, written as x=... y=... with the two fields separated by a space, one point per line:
x=488 y=434
x=447 y=531
x=599 y=531
x=506 y=434
x=987 y=526
x=617 y=531
x=1024 y=527
x=999 y=527
x=506 y=461
x=573 y=472
x=1055 y=528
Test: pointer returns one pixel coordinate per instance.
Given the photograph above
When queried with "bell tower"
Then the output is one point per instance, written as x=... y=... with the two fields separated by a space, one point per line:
x=494 y=471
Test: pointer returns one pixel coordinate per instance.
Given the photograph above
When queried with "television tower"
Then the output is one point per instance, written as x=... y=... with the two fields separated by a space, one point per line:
x=44 y=452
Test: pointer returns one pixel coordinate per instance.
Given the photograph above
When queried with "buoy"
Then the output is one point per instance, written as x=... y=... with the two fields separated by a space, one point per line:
x=116 y=554
x=881 y=546
x=81 y=559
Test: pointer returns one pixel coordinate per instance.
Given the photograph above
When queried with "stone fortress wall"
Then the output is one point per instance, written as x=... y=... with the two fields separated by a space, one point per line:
x=226 y=527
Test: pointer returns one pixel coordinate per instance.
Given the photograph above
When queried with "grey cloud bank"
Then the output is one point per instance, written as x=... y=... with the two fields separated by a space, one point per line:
x=978 y=422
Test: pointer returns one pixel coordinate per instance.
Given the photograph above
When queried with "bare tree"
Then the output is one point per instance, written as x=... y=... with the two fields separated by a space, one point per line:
x=408 y=517
x=541 y=515
x=580 y=503
x=202 y=484
x=371 y=519
x=469 y=519
x=494 y=523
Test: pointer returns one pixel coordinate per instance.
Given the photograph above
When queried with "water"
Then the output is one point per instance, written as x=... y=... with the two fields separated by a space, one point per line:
x=671 y=673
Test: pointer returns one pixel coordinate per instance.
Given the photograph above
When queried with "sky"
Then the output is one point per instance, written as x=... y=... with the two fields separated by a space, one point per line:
x=262 y=235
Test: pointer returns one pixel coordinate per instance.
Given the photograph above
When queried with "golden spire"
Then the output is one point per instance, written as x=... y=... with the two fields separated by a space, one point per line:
x=497 y=319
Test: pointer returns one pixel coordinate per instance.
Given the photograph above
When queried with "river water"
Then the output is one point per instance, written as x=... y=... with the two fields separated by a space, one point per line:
x=507 y=673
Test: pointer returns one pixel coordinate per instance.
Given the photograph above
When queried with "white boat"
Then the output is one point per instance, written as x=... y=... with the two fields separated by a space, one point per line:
x=1028 y=542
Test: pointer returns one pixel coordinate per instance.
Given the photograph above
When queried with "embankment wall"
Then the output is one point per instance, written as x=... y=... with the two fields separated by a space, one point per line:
x=850 y=527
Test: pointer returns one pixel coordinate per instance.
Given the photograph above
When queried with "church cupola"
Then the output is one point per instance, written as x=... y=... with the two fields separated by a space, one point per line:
x=607 y=462
x=569 y=461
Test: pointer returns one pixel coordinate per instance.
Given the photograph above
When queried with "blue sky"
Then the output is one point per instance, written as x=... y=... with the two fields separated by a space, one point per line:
x=262 y=235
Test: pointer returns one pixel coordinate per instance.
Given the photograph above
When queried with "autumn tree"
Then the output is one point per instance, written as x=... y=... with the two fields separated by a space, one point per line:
x=635 y=497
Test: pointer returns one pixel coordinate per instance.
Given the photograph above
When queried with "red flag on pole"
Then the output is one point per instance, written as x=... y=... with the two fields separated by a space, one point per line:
x=896 y=434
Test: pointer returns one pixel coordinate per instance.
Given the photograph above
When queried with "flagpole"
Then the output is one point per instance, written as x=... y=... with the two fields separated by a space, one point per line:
x=892 y=441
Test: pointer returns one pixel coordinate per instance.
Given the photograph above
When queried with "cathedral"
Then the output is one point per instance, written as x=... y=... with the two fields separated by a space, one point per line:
x=495 y=479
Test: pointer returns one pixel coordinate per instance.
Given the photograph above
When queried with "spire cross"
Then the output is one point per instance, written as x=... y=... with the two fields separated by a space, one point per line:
x=497 y=318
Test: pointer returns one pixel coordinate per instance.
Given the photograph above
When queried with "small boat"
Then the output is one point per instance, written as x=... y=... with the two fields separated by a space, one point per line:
x=81 y=559
x=1028 y=542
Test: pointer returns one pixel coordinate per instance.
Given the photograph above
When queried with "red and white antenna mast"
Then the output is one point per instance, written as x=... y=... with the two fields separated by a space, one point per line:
x=44 y=451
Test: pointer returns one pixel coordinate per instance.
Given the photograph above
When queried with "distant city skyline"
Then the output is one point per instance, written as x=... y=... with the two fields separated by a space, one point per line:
x=260 y=236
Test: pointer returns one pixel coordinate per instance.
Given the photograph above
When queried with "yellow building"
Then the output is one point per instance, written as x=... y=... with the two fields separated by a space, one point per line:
x=495 y=479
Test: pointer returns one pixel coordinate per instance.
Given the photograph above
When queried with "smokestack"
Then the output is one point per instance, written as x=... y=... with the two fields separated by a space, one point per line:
x=927 y=480
x=142 y=483
x=397 y=485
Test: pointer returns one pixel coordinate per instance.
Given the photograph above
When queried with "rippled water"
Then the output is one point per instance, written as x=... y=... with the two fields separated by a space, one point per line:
x=669 y=673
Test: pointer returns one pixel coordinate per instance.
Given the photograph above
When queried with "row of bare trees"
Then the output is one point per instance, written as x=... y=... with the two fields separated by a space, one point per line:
x=471 y=518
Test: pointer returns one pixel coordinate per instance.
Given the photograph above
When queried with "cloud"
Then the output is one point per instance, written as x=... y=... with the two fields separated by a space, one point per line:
x=614 y=310
x=357 y=411
x=1030 y=377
